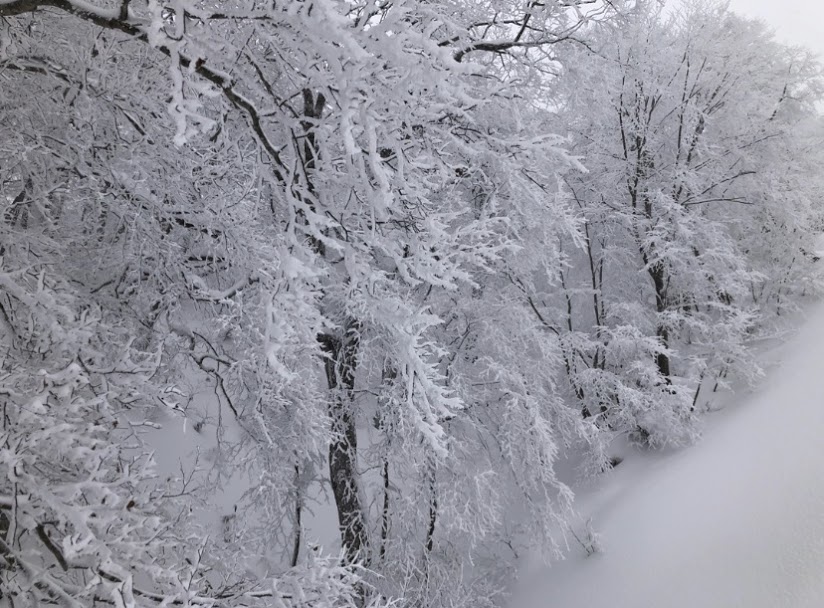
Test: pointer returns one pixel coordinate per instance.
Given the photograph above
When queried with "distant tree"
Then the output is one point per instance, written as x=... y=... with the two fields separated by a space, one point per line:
x=694 y=125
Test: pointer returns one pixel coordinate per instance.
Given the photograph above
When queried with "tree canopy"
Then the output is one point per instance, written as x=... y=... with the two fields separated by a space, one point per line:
x=405 y=255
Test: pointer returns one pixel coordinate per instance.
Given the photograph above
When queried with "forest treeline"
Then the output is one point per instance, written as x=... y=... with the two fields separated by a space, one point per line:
x=419 y=252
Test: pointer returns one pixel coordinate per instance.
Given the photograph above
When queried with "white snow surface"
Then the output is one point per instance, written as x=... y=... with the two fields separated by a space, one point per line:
x=736 y=521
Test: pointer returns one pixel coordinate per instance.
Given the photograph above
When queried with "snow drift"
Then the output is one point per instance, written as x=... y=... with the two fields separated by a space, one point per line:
x=736 y=521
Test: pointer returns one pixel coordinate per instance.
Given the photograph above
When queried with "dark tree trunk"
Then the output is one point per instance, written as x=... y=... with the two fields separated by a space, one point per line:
x=298 y=517
x=658 y=274
x=433 y=506
x=662 y=360
x=385 y=512
x=6 y=559
x=341 y=363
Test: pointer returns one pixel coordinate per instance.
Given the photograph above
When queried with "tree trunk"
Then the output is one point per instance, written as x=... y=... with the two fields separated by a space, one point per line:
x=658 y=274
x=341 y=361
x=343 y=450
x=6 y=560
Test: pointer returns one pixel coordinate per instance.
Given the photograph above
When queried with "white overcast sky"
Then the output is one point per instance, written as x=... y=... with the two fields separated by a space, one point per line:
x=795 y=21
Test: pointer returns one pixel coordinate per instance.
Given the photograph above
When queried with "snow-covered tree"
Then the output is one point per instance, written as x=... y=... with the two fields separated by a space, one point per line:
x=414 y=251
x=694 y=125
x=341 y=175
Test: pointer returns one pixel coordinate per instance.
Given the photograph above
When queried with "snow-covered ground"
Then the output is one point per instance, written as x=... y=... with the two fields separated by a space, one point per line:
x=737 y=521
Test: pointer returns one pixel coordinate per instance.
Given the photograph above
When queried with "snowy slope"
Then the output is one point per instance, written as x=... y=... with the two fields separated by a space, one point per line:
x=737 y=521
